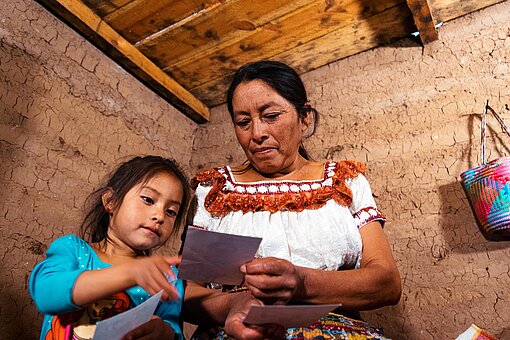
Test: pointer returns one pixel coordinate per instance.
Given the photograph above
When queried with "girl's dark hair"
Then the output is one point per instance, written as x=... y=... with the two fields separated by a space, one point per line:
x=94 y=227
x=284 y=80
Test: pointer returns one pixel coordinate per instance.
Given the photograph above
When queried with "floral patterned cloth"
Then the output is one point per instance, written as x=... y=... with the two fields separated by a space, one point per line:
x=331 y=326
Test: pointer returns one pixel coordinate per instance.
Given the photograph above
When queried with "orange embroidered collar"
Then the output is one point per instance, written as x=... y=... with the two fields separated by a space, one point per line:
x=227 y=195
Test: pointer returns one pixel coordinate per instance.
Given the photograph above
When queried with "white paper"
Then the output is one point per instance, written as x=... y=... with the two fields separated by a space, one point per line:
x=209 y=256
x=119 y=325
x=288 y=315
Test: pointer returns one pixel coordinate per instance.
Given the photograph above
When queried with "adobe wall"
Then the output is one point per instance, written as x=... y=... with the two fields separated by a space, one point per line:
x=67 y=114
x=413 y=115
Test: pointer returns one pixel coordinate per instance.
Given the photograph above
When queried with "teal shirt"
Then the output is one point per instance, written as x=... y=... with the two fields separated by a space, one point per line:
x=52 y=280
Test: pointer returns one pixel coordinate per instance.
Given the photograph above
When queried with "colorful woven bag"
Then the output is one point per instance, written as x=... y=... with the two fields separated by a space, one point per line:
x=487 y=188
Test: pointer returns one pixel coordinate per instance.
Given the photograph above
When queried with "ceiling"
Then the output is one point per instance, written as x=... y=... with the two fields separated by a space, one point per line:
x=187 y=51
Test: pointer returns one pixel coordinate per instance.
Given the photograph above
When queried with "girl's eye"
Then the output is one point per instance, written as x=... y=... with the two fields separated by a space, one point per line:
x=171 y=213
x=147 y=199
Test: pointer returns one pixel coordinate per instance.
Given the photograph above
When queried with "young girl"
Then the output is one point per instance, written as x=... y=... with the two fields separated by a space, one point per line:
x=81 y=282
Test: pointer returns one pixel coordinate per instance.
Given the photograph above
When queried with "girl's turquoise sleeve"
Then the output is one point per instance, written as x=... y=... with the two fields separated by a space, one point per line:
x=170 y=311
x=52 y=280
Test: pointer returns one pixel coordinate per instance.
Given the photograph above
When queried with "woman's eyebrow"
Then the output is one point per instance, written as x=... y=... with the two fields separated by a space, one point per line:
x=260 y=109
x=266 y=105
x=240 y=113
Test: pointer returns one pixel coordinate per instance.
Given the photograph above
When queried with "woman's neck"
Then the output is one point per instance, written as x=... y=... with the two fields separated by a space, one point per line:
x=302 y=170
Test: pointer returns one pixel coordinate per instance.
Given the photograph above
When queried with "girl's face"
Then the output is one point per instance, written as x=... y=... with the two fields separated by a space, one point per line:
x=146 y=216
x=267 y=127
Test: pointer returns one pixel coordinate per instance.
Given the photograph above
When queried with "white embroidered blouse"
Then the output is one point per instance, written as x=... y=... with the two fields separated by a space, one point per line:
x=311 y=223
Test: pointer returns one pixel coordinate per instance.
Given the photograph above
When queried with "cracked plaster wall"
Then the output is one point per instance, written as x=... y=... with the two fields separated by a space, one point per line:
x=413 y=115
x=67 y=115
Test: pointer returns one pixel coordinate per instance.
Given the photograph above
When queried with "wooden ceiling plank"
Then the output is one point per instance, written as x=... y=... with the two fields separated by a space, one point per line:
x=445 y=10
x=177 y=24
x=90 y=24
x=382 y=28
x=231 y=21
x=143 y=18
x=102 y=8
x=423 y=20
x=292 y=30
x=371 y=32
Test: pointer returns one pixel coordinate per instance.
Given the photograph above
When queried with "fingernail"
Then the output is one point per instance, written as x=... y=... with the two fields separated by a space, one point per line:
x=243 y=269
x=170 y=278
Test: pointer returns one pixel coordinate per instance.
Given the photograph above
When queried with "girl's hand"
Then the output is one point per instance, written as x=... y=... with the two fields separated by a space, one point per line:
x=236 y=328
x=272 y=280
x=153 y=274
x=154 y=329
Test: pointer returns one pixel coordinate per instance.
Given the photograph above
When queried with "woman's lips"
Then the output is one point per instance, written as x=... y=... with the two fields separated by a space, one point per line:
x=262 y=151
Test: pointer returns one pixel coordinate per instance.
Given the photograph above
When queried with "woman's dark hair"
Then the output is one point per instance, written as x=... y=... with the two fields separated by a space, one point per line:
x=94 y=227
x=285 y=81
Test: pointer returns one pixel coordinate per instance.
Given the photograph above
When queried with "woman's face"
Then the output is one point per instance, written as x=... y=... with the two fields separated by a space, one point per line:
x=268 y=127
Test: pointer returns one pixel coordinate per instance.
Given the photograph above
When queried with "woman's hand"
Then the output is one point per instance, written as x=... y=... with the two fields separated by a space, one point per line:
x=272 y=280
x=154 y=329
x=153 y=274
x=236 y=328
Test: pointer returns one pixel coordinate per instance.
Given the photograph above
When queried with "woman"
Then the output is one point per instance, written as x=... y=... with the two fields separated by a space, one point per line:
x=323 y=241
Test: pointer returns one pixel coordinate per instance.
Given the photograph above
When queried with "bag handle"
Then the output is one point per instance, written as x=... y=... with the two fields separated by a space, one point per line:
x=484 y=127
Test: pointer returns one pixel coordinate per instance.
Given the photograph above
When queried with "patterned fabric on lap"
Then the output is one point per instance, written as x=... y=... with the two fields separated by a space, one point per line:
x=336 y=326
x=331 y=326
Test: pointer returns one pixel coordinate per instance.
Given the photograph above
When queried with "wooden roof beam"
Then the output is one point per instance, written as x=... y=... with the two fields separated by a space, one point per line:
x=88 y=23
x=423 y=20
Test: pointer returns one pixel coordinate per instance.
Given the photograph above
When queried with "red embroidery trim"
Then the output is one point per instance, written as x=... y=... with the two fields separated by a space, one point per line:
x=366 y=215
x=221 y=200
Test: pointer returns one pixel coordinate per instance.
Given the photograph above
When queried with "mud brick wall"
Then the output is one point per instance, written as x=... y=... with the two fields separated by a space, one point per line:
x=413 y=115
x=67 y=115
